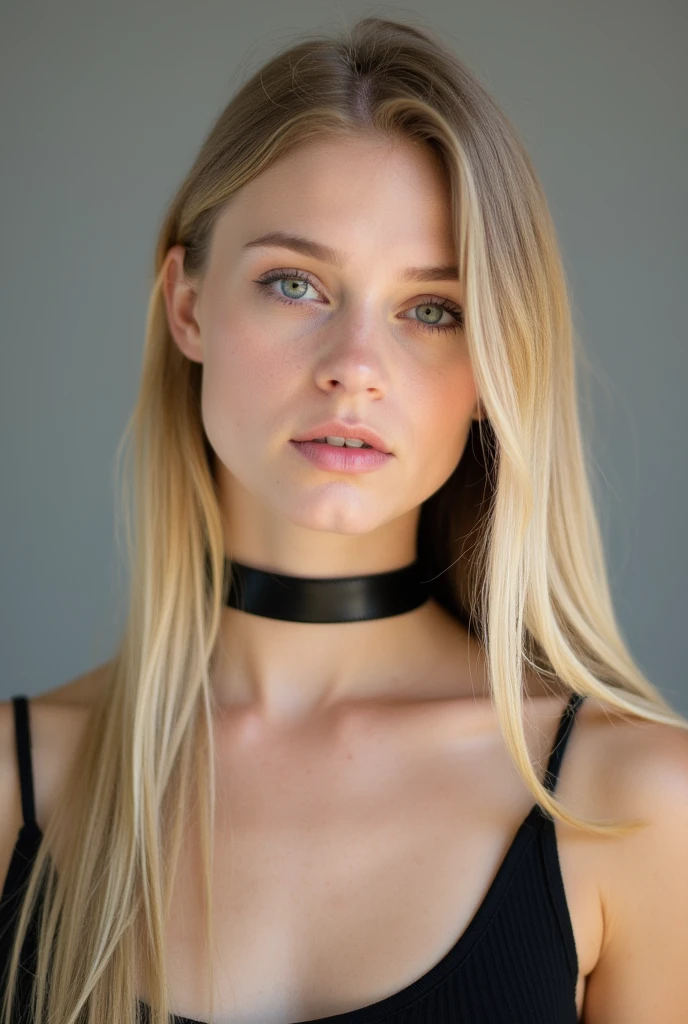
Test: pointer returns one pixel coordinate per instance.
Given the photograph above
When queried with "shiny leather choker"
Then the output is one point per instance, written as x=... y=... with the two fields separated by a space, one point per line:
x=334 y=599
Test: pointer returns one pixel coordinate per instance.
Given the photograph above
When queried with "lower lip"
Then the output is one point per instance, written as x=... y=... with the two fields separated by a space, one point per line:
x=342 y=459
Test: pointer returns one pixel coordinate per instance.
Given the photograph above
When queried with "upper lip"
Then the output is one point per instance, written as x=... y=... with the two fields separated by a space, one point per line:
x=336 y=428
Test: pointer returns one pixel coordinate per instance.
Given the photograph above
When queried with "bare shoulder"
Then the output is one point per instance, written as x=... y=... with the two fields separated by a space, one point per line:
x=57 y=718
x=639 y=768
x=630 y=769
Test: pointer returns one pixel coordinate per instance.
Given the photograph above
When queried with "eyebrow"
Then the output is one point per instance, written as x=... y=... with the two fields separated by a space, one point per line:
x=318 y=251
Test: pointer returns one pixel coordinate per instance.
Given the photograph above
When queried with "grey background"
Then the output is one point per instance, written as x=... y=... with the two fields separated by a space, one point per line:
x=103 y=109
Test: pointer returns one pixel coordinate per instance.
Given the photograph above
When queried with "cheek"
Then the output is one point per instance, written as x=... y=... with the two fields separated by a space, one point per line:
x=444 y=428
x=241 y=384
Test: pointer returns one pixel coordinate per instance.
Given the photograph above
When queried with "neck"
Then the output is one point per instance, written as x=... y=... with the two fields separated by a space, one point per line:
x=286 y=672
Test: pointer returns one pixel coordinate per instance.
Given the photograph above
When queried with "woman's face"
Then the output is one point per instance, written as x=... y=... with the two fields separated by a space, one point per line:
x=353 y=339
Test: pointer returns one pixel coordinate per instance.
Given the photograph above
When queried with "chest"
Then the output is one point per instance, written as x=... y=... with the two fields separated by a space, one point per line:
x=345 y=870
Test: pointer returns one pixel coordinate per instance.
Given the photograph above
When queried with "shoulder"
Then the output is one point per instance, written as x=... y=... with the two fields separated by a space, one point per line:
x=640 y=767
x=626 y=768
x=57 y=719
x=635 y=770
x=56 y=716
x=643 y=775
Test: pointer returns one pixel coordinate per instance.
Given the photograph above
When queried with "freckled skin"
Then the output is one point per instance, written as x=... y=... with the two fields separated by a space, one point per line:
x=353 y=344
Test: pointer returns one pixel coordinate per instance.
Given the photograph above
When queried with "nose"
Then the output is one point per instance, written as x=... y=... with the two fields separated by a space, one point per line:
x=353 y=362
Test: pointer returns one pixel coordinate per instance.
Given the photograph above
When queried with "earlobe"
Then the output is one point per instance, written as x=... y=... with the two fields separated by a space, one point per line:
x=180 y=300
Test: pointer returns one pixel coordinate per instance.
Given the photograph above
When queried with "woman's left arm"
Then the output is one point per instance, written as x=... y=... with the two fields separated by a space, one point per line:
x=641 y=976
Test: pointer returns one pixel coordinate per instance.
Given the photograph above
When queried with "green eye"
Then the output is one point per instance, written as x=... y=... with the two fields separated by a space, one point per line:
x=429 y=302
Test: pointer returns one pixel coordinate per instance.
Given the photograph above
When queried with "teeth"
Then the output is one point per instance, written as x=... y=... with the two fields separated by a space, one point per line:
x=341 y=442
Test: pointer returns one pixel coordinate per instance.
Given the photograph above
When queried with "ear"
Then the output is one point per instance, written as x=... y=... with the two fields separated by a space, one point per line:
x=181 y=297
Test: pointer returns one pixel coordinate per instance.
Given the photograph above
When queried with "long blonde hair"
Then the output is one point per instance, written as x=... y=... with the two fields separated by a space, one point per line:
x=511 y=537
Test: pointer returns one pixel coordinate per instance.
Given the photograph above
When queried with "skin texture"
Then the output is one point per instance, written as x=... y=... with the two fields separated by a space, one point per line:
x=354 y=346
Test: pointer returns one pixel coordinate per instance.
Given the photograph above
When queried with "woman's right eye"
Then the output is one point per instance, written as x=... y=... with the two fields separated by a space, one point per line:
x=292 y=276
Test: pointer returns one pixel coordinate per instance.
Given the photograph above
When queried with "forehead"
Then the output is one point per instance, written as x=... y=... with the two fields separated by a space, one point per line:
x=352 y=195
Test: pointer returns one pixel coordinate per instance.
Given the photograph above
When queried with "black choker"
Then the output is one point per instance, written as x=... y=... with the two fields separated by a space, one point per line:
x=334 y=599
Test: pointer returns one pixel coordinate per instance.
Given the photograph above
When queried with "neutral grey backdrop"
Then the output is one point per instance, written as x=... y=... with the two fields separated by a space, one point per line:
x=103 y=109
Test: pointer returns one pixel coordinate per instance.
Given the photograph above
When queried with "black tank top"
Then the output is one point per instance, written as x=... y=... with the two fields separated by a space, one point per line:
x=515 y=963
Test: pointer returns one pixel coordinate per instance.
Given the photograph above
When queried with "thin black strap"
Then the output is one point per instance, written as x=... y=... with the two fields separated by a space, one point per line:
x=563 y=732
x=23 y=740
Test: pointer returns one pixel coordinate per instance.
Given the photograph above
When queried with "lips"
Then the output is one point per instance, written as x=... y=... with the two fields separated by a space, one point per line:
x=342 y=459
x=336 y=428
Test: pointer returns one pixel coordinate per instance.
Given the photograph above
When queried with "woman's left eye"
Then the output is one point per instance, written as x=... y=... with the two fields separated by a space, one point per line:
x=427 y=304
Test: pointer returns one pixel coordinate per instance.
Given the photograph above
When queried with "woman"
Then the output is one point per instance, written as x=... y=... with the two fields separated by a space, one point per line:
x=368 y=599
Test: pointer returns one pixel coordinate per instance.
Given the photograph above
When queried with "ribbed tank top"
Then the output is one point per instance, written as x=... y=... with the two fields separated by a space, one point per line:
x=515 y=963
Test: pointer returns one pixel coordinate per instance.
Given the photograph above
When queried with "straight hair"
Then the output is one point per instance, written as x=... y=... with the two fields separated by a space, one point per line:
x=511 y=539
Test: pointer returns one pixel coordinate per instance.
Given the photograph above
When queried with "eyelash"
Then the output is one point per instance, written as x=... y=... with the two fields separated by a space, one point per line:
x=280 y=275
